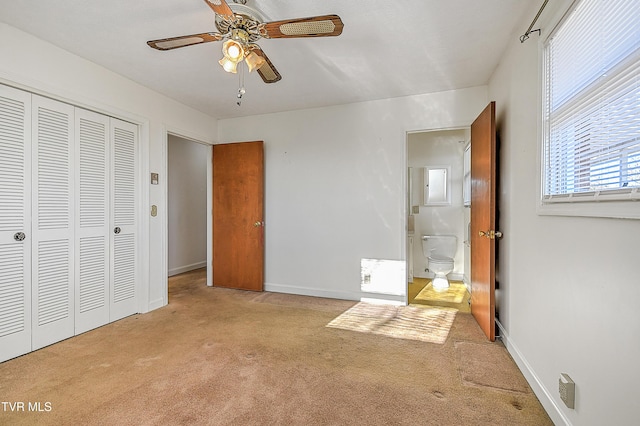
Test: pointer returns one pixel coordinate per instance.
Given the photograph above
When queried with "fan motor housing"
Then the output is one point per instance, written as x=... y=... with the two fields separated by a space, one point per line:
x=246 y=18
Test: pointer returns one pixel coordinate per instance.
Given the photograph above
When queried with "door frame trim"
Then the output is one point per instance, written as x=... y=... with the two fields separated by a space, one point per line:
x=184 y=134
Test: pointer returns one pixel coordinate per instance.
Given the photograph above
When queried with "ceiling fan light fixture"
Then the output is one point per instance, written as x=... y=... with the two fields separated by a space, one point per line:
x=233 y=51
x=229 y=65
x=254 y=61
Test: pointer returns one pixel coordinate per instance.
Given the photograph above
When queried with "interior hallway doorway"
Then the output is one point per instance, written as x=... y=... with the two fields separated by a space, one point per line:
x=187 y=163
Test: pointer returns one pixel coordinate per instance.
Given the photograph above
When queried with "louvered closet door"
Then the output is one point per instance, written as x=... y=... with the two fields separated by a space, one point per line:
x=92 y=220
x=52 y=222
x=15 y=208
x=124 y=141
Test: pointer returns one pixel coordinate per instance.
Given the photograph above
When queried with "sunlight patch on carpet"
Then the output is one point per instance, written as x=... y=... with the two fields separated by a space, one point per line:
x=454 y=294
x=423 y=323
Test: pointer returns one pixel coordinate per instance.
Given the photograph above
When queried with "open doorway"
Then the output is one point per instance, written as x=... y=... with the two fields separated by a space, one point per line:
x=436 y=210
x=187 y=200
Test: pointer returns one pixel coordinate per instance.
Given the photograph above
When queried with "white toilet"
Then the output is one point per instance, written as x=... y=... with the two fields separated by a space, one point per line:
x=439 y=251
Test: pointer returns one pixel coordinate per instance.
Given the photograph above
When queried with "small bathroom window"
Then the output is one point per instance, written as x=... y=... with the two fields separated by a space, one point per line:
x=436 y=186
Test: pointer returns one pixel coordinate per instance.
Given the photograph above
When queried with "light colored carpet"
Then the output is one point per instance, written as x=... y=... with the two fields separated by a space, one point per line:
x=423 y=323
x=489 y=365
x=454 y=294
x=214 y=357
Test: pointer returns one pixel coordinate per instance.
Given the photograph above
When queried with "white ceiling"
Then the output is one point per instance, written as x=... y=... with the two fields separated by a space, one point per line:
x=387 y=48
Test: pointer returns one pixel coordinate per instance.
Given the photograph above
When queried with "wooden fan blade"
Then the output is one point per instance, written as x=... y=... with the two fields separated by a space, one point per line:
x=316 y=26
x=220 y=7
x=267 y=71
x=182 y=41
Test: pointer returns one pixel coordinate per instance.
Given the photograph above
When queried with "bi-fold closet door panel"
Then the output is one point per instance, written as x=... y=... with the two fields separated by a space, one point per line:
x=52 y=215
x=92 y=180
x=15 y=226
x=124 y=140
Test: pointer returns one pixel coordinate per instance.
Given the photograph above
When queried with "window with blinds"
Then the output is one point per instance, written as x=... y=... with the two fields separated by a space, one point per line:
x=591 y=101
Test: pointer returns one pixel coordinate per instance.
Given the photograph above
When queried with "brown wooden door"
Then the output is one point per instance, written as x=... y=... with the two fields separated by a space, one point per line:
x=483 y=219
x=238 y=206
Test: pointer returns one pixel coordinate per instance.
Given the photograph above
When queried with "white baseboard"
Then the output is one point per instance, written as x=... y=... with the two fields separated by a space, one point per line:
x=342 y=295
x=306 y=291
x=394 y=299
x=187 y=268
x=455 y=277
x=541 y=392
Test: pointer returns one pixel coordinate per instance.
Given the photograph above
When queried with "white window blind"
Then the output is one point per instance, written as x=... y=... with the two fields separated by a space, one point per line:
x=591 y=99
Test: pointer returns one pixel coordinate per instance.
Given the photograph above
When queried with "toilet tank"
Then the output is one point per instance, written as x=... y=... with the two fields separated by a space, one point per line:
x=442 y=245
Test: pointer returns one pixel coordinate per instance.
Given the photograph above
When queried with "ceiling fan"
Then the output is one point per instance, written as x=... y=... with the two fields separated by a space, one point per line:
x=241 y=26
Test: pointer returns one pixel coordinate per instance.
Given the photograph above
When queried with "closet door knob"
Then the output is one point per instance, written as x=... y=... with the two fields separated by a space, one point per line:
x=116 y=230
x=19 y=236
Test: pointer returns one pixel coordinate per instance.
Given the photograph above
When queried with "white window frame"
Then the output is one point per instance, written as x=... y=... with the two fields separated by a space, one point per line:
x=612 y=204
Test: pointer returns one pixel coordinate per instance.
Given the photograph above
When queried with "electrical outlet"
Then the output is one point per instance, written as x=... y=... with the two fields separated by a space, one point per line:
x=567 y=389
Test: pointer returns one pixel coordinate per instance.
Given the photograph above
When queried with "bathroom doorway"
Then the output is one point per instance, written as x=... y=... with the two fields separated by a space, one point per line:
x=448 y=215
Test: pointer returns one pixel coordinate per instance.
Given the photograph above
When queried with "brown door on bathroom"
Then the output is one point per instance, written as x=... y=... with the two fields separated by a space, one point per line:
x=483 y=220
x=238 y=223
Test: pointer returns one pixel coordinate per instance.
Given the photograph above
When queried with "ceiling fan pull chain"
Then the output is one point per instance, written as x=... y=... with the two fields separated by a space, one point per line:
x=241 y=90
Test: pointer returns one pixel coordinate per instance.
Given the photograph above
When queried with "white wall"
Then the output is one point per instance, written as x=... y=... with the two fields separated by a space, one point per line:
x=187 y=205
x=36 y=65
x=569 y=287
x=438 y=148
x=334 y=184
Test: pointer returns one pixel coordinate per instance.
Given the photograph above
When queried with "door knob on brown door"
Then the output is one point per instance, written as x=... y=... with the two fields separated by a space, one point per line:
x=258 y=223
x=492 y=235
